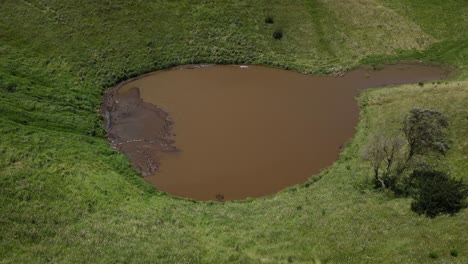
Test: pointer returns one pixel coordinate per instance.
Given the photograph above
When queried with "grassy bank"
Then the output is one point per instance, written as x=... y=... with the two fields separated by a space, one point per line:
x=67 y=196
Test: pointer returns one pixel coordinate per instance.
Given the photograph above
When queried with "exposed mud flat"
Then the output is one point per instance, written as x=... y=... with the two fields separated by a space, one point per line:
x=239 y=131
x=138 y=129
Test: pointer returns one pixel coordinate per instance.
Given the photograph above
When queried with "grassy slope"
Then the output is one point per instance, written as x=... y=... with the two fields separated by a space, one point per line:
x=68 y=197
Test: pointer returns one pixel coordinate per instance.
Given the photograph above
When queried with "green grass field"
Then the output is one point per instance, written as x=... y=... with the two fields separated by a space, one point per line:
x=66 y=196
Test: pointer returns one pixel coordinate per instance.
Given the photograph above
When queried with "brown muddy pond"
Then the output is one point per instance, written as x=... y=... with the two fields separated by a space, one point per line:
x=232 y=132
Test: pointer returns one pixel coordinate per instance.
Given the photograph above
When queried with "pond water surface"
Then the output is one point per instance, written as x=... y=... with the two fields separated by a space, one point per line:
x=231 y=132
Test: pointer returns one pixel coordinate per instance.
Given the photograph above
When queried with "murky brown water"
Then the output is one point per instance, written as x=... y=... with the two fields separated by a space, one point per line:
x=243 y=132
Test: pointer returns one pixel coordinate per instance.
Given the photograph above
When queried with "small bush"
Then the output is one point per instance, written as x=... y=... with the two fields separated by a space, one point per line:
x=278 y=34
x=433 y=255
x=435 y=193
x=454 y=252
x=10 y=87
x=269 y=20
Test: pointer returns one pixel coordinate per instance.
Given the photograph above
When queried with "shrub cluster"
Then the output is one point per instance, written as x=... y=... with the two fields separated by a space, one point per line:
x=398 y=164
x=435 y=193
x=278 y=33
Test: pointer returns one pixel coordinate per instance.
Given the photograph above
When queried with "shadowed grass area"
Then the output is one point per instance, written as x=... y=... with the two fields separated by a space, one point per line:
x=67 y=196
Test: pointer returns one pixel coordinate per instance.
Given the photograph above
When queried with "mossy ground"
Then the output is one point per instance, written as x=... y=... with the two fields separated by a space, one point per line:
x=67 y=196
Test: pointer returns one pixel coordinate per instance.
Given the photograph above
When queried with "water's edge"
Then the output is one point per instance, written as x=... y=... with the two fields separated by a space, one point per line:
x=145 y=151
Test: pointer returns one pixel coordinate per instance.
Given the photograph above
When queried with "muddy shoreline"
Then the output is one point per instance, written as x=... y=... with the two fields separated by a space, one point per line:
x=143 y=131
x=142 y=150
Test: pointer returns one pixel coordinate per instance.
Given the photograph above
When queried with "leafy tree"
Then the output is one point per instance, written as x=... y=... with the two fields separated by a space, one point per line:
x=435 y=193
x=425 y=130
